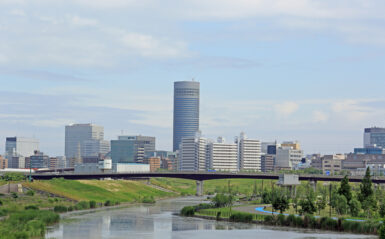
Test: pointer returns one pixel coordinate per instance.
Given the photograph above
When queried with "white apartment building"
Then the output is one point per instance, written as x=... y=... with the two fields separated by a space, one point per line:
x=249 y=153
x=77 y=134
x=192 y=154
x=19 y=146
x=222 y=156
x=287 y=157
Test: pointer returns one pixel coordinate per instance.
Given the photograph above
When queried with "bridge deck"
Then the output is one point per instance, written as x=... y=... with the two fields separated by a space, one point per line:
x=197 y=176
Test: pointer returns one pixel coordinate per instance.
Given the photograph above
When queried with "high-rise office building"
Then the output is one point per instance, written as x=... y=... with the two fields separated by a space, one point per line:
x=186 y=111
x=131 y=149
x=222 y=156
x=18 y=146
x=95 y=147
x=374 y=137
x=249 y=153
x=192 y=153
x=77 y=134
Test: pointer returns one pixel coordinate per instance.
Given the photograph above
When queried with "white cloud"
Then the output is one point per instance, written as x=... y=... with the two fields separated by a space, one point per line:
x=287 y=108
x=82 y=21
x=149 y=46
x=319 y=116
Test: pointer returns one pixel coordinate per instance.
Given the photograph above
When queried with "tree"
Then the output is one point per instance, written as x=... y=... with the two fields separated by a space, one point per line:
x=366 y=190
x=321 y=204
x=381 y=231
x=382 y=209
x=295 y=203
x=221 y=200
x=307 y=206
x=355 y=207
x=345 y=189
x=280 y=202
x=341 y=204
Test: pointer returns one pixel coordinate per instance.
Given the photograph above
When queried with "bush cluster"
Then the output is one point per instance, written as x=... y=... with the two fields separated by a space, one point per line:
x=31 y=207
x=241 y=217
x=148 y=199
x=188 y=211
x=111 y=203
x=324 y=223
x=60 y=209
x=27 y=224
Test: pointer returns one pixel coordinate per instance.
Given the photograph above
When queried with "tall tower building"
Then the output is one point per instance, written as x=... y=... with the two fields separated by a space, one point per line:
x=186 y=111
x=76 y=135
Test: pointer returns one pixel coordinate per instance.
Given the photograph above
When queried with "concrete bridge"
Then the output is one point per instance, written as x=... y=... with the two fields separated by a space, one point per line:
x=199 y=177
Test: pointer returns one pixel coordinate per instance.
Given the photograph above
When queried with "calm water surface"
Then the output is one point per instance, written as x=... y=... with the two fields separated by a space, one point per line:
x=158 y=222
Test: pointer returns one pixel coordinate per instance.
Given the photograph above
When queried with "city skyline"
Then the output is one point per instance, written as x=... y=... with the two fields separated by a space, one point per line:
x=305 y=70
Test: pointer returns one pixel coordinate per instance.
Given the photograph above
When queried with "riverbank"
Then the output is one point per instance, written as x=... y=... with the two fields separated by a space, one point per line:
x=241 y=214
x=159 y=221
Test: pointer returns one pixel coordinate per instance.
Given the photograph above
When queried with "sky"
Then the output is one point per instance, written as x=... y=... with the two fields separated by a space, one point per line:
x=307 y=70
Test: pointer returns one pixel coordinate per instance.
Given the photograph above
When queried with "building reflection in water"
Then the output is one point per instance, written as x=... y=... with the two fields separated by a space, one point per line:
x=141 y=222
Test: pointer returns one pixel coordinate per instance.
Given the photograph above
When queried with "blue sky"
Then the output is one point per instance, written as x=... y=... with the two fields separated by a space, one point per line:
x=302 y=70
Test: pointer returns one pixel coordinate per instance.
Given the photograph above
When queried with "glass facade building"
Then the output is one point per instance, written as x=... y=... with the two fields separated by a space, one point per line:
x=186 y=111
x=374 y=137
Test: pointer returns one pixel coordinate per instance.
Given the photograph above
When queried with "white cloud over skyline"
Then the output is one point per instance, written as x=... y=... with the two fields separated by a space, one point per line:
x=285 y=69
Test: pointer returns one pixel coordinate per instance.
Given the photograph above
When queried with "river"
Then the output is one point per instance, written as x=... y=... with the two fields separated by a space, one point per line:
x=158 y=222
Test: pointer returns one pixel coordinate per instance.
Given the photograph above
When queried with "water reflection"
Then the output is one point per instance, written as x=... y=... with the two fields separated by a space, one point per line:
x=158 y=222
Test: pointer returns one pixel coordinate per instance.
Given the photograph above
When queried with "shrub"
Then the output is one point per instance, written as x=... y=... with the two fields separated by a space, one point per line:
x=31 y=207
x=328 y=223
x=241 y=217
x=281 y=219
x=3 y=212
x=82 y=205
x=60 y=209
x=148 y=199
x=269 y=219
x=381 y=231
x=188 y=211
x=108 y=203
x=70 y=208
x=290 y=220
x=1 y=203
x=203 y=206
x=298 y=221
x=14 y=195
x=92 y=204
x=30 y=193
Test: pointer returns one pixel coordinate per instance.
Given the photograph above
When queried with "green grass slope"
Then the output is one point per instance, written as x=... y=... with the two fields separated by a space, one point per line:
x=99 y=191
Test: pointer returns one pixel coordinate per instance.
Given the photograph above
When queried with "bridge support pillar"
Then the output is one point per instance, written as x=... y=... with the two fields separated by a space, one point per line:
x=199 y=188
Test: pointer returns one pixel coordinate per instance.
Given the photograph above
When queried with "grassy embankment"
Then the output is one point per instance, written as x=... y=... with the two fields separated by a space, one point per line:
x=188 y=187
x=26 y=215
x=99 y=191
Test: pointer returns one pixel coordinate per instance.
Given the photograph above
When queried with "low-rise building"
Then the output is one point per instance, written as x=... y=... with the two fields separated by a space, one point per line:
x=287 y=157
x=3 y=162
x=16 y=162
x=154 y=162
x=332 y=164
